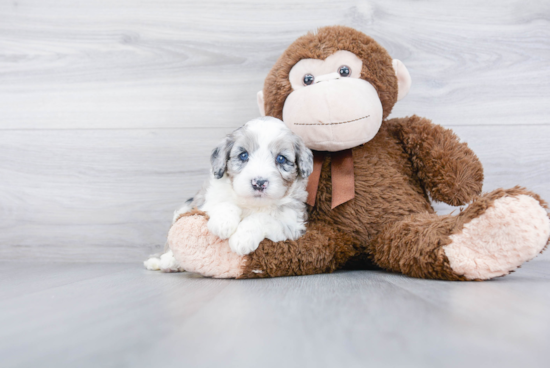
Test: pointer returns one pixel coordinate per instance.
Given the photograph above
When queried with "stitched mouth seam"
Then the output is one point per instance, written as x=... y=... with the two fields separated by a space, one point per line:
x=341 y=122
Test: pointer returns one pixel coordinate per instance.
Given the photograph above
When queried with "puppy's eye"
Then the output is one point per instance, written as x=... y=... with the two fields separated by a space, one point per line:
x=308 y=79
x=243 y=156
x=344 y=71
x=281 y=159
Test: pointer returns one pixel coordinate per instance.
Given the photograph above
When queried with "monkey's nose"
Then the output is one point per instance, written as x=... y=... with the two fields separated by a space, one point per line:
x=259 y=184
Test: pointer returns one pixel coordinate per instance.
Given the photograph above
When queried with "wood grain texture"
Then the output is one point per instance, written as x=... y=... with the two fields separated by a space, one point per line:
x=66 y=191
x=117 y=315
x=163 y=64
x=109 y=109
x=109 y=195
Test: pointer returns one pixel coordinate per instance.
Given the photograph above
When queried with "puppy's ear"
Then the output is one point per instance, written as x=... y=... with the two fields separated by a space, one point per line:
x=220 y=155
x=304 y=158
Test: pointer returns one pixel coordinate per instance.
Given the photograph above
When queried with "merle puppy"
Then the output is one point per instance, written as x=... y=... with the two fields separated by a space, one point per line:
x=256 y=190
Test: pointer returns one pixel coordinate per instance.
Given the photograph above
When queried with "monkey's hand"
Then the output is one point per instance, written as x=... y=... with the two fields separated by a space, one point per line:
x=448 y=169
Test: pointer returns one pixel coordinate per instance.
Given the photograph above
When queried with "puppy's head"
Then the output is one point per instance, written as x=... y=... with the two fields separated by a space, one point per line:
x=262 y=159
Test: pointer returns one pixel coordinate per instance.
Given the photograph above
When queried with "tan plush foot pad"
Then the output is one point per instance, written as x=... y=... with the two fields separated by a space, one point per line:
x=512 y=231
x=197 y=250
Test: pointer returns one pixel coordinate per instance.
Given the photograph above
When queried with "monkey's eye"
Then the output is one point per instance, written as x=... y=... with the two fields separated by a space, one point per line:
x=281 y=159
x=344 y=71
x=243 y=156
x=308 y=79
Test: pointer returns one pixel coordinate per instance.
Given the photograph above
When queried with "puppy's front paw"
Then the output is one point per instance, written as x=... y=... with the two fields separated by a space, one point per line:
x=244 y=242
x=223 y=226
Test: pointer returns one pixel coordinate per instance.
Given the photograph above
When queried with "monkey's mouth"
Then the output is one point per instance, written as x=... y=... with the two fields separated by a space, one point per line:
x=335 y=123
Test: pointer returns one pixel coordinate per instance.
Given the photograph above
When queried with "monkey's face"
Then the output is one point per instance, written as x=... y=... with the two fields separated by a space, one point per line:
x=330 y=106
x=334 y=88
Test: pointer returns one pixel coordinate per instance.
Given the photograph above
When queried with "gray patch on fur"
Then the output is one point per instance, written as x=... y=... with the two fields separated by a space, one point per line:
x=293 y=148
x=305 y=159
x=245 y=141
x=198 y=200
x=220 y=155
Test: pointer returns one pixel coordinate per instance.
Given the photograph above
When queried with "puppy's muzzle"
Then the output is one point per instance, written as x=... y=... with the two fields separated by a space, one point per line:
x=260 y=184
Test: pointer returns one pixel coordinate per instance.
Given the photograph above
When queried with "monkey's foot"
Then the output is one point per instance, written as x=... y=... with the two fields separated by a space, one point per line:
x=197 y=250
x=511 y=229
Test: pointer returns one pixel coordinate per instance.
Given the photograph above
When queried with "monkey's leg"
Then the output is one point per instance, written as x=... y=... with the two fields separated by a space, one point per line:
x=497 y=233
x=322 y=249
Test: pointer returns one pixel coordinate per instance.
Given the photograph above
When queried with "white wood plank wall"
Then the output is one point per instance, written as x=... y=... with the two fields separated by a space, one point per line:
x=109 y=109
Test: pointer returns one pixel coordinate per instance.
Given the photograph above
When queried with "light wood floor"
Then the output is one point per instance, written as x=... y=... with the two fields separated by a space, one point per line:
x=119 y=315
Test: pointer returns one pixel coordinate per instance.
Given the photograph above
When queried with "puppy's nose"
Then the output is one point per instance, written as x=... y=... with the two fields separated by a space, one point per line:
x=259 y=184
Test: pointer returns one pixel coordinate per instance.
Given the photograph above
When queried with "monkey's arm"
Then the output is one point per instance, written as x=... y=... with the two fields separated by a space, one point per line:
x=322 y=249
x=449 y=170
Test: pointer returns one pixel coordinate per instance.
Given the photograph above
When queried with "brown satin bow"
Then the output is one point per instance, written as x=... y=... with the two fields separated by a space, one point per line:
x=343 y=180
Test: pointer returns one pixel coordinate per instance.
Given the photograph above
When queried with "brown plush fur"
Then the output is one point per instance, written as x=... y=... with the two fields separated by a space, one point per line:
x=193 y=212
x=322 y=249
x=396 y=248
x=390 y=222
x=449 y=170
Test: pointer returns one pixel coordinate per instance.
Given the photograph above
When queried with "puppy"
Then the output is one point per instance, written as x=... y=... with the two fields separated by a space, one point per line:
x=257 y=189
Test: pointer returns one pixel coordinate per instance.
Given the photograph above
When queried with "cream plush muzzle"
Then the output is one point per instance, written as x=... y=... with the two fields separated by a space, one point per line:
x=335 y=113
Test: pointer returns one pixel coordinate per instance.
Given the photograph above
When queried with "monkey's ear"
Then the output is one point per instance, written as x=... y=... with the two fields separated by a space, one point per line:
x=403 y=78
x=260 y=100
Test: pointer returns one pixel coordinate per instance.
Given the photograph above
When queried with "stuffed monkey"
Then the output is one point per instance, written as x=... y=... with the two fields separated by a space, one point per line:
x=369 y=194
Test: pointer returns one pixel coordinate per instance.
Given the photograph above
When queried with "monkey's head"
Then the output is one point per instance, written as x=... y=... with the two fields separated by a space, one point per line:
x=334 y=88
